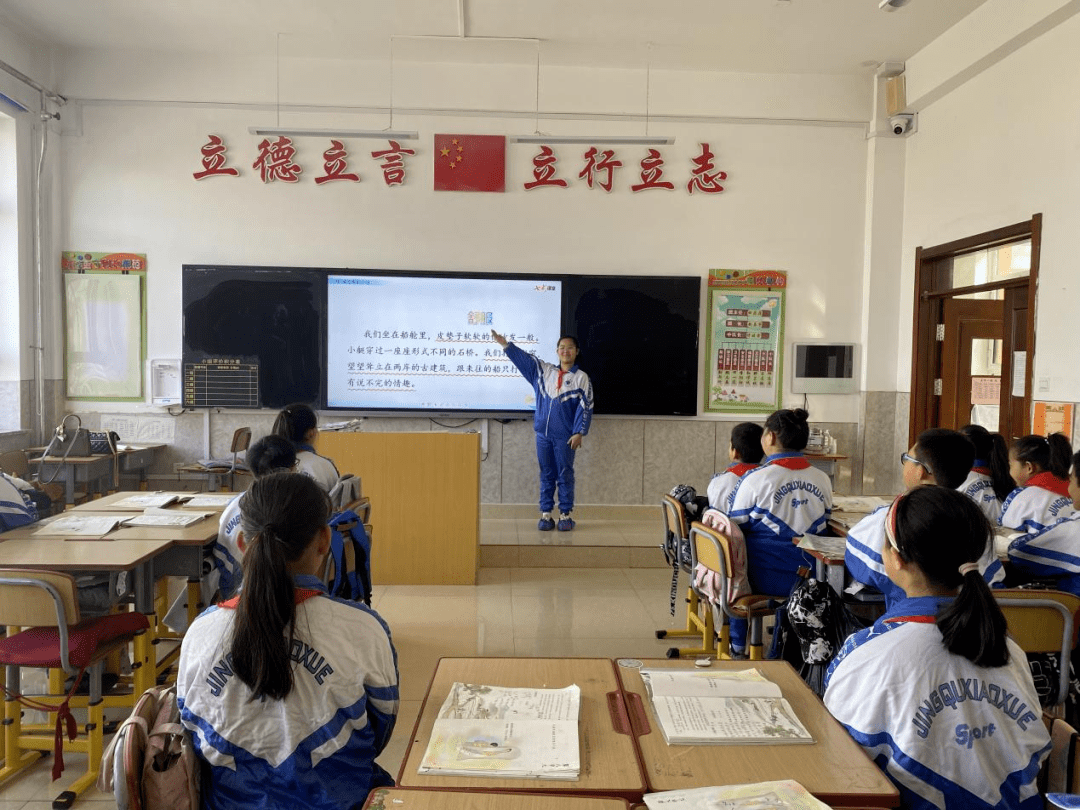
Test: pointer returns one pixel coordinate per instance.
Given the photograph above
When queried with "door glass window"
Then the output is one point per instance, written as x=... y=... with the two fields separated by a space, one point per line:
x=992 y=264
x=986 y=382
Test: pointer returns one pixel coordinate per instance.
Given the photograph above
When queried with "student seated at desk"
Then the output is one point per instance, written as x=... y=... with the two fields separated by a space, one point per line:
x=1040 y=467
x=300 y=425
x=935 y=692
x=16 y=509
x=989 y=482
x=745 y=454
x=269 y=454
x=289 y=694
x=1054 y=552
x=783 y=498
x=939 y=457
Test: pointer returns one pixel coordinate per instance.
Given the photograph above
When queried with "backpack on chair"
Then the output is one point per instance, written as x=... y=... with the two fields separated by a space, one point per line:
x=150 y=764
x=348 y=566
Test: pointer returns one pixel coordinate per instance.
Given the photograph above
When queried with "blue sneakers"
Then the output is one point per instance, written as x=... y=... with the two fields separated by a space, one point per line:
x=546 y=524
x=565 y=522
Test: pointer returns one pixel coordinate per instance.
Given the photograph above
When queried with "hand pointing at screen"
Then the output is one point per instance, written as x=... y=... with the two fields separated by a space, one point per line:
x=498 y=338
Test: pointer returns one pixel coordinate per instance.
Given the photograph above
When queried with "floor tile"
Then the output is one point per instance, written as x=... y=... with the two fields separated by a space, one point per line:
x=571 y=615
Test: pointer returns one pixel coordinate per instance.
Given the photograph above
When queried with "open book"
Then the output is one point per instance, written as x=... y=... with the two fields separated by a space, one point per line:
x=507 y=733
x=696 y=707
x=147 y=499
x=786 y=795
x=75 y=525
x=166 y=518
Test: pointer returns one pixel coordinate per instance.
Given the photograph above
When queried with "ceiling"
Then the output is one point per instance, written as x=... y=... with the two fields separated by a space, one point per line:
x=761 y=36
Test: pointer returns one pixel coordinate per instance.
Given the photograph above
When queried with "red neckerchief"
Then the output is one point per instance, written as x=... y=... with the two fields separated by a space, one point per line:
x=915 y=619
x=1049 y=482
x=981 y=470
x=741 y=469
x=299 y=595
x=792 y=462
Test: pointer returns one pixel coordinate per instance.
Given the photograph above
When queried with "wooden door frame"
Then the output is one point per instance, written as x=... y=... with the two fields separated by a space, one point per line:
x=932 y=265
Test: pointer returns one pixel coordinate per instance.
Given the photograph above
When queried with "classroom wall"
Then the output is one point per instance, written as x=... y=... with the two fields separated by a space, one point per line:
x=998 y=148
x=794 y=148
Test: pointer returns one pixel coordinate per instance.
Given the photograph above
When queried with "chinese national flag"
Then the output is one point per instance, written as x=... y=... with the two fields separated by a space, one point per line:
x=470 y=163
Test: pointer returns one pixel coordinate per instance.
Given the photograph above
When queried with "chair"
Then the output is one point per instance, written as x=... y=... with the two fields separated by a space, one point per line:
x=713 y=550
x=46 y=603
x=345 y=492
x=1061 y=773
x=699 y=616
x=214 y=474
x=1042 y=622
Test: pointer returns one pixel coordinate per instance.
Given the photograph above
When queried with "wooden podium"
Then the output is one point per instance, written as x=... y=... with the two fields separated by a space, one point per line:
x=425 y=502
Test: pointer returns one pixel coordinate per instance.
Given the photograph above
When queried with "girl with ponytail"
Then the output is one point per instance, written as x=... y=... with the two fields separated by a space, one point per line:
x=923 y=690
x=1040 y=467
x=300 y=425
x=783 y=498
x=1054 y=553
x=989 y=482
x=289 y=695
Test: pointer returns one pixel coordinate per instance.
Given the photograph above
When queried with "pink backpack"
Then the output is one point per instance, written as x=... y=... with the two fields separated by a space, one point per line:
x=150 y=764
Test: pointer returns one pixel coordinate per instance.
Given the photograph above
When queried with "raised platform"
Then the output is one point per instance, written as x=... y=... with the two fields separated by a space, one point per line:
x=604 y=537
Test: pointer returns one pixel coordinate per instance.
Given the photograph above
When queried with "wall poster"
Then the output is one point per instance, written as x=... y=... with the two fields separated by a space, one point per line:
x=745 y=341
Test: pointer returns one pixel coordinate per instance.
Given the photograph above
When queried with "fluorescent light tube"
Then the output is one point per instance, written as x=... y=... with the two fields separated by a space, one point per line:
x=300 y=132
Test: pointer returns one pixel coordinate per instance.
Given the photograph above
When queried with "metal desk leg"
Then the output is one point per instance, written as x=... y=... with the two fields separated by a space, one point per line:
x=143 y=660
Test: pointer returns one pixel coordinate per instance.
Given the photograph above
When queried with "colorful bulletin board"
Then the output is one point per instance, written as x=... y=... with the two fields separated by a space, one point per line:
x=105 y=325
x=745 y=342
x=1052 y=417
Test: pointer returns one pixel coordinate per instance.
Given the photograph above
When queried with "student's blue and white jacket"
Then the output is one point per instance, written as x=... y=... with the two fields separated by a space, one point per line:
x=722 y=486
x=1041 y=502
x=862 y=557
x=226 y=552
x=317 y=747
x=315 y=466
x=946 y=732
x=783 y=498
x=1053 y=552
x=15 y=508
x=564 y=399
x=980 y=488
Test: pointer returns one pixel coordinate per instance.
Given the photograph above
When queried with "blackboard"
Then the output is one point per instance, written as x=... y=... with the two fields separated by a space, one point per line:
x=638 y=334
x=273 y=317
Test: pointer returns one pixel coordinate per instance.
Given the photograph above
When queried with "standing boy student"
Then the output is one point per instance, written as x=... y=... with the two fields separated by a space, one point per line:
x=564 y=406
x=939 y=457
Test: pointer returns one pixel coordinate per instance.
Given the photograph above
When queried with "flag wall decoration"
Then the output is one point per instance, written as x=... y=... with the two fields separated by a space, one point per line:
x=470 y=162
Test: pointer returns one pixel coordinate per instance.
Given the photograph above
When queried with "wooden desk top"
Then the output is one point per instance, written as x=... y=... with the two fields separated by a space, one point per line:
x=77 y=555
x=197 y=534
x=833 y=768
x=609 y=760
x=405 y=799
x=106 y=503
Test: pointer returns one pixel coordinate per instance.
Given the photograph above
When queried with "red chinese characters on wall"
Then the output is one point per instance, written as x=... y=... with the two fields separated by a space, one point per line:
x=213 y=160
x=275 y=161
x=651 y=172
x=544 y=170
x=393 y=166
x=605 y=165
x=336 y=165
x=702 y=176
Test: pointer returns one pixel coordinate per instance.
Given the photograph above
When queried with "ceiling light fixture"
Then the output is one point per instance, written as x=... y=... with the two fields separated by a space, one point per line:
x=588 y=140
x=302 y=132
x=891 y=5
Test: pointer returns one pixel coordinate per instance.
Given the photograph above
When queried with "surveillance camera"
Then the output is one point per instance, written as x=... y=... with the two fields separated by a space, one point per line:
x=902 y=124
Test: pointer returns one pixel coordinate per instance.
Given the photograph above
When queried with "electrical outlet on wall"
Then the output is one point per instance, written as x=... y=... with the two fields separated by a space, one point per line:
x=1044 y=384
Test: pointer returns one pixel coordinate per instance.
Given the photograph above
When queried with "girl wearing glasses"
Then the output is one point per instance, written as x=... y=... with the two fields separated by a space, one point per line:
x=934 y=691
x=1040 y=467
x=940 y=457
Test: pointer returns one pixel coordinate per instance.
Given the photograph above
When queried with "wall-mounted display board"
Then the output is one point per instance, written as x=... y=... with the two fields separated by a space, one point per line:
x=104 y=325
x=744 y=353
x=419 y=342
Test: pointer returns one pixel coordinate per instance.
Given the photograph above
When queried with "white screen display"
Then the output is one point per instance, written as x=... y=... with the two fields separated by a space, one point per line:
x=424 y=342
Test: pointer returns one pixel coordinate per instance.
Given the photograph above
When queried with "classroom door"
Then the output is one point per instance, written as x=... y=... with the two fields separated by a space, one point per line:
x=971 y=363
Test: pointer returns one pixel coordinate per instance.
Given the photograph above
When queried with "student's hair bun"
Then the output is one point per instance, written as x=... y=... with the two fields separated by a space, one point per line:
x=800 y=415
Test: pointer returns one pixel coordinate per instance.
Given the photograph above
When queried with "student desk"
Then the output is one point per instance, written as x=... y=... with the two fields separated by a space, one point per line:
x=108 y=503
x=609 y=760
x=405 y=799
x=95 y=472
x=833 y=768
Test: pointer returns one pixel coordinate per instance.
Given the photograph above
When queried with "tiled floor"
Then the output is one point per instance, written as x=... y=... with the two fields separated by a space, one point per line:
x=592 y=612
